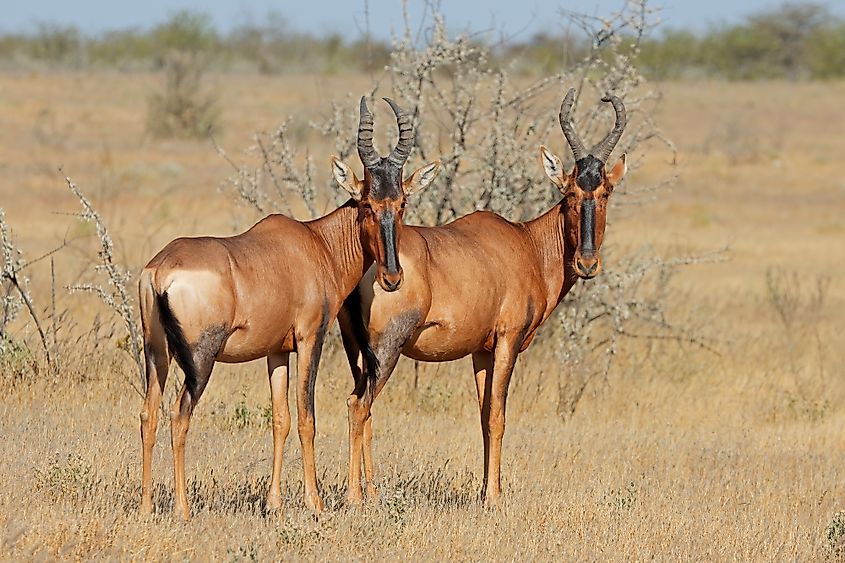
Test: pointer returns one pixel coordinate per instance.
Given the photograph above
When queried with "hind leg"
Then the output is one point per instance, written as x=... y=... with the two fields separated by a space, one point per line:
x=180 y=418
x=158 y=363
x=308 y=360
x=277 y=365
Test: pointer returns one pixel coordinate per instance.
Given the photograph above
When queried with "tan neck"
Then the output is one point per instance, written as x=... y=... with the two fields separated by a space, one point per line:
x=547 y=234
x=341 y=234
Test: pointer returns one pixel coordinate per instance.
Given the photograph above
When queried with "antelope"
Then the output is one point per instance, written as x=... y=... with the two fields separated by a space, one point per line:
x=267 y=292
x=480 y=286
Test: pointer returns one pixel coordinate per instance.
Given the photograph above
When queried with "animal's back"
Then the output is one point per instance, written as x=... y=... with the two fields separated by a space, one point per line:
x=252 y=284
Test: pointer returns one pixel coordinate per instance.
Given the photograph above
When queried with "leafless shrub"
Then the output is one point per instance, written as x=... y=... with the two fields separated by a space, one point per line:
x=486 y=127
x=16 y=295
x=183 y=108
x=277 y=171
x=627 y=303
x=115 y=293
x=798 y=305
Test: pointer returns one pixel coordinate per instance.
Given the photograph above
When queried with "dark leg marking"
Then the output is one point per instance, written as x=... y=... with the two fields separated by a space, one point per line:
x=526 y=326
x=353 y=307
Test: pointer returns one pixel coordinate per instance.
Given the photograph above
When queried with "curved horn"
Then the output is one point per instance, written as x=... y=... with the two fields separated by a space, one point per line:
x=366 y=152
x=575 y=143
x=400 y=152
x=603 y=149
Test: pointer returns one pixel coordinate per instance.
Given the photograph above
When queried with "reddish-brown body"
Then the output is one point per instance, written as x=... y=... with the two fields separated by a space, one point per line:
x=267 y=292
x=481 y=285
x=462 y=310
x=270 y=291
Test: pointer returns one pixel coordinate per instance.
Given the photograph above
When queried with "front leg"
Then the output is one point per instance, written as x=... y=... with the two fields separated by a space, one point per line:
x=504 y=358
x=308 y=360
x=277 y=366
x=387 y=347
x=482 y=365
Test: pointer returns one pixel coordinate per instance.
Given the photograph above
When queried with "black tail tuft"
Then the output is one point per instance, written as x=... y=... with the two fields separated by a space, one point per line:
x=359 y=329
x=179 y=347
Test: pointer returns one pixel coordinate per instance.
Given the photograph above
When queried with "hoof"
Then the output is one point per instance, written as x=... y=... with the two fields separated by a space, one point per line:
x=274 y=502
x=184 y=513
x=354 y=497
x=315 y=503
x=493 y=502
x=372 y=491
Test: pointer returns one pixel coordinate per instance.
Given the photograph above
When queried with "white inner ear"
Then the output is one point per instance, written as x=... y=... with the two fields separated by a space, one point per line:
x=340 y=173
x=552 y=164
x=428 y=174
x=421 y=178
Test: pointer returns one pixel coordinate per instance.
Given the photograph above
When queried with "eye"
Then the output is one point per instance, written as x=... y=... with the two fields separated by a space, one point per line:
x=402 y=205
x=366 y=205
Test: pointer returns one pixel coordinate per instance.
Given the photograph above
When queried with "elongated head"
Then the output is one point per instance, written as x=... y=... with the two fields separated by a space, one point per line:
x=586 y=190
x=382 y=193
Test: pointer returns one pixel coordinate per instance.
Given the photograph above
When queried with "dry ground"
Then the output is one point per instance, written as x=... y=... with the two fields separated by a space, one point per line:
x=689 y=455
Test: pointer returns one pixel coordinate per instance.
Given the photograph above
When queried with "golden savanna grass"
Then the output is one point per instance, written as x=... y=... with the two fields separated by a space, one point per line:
x=681 y=454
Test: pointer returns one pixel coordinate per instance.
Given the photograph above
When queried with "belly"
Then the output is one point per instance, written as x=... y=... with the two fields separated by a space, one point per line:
x=250 y=343
x=444 y=343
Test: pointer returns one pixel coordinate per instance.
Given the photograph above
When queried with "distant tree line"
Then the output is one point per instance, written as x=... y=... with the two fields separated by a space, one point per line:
x=793 y=41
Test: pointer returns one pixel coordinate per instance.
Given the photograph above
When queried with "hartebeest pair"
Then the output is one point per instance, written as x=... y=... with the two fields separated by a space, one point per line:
x=481 y=285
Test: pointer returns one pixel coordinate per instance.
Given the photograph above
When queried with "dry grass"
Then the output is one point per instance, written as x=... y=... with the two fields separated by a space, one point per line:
x=681 y=454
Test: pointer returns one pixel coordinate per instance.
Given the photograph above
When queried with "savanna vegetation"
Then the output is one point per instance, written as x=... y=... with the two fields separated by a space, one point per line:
x=687 y=404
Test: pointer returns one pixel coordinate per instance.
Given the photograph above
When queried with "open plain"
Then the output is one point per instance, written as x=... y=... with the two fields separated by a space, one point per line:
x=733 y=452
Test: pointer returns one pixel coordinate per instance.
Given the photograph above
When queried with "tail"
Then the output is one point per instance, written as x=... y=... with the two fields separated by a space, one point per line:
x=179 y=347
x=359 y=331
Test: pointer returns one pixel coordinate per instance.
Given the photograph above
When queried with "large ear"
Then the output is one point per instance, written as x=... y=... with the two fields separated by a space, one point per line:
x=554 y=168
x=618 y=171
x=421 y=178
x=346 y=178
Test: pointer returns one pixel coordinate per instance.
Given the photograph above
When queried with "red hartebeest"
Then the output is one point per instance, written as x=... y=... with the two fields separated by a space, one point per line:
x=481 y=285
x=270 y=291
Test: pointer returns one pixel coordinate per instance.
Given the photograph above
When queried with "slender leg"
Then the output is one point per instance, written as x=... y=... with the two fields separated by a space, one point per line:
x=308 y=360
x=355 y=404
x=356 y=366
x=369 y=475
x=482 y=365
x=359 y=405
x=158 y=363
x=277 y=367
x=180 y=419
x=504 y=360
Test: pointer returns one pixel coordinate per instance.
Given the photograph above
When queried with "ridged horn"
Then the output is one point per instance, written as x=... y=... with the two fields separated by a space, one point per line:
x=575 y=143
x=366 y=152
x=400 y=152
x=603 y=149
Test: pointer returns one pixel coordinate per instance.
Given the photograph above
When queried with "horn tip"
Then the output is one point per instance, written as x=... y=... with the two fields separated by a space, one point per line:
x=393 y=105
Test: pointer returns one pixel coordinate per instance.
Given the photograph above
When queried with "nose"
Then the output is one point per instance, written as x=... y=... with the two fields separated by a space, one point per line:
x=587 y=267
x=391 y=282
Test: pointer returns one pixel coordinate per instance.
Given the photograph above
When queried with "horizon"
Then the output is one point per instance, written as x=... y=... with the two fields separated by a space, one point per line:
x=514 y=22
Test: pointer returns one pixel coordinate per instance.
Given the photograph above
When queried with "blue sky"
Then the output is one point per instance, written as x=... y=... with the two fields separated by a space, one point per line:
x=519 y=18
